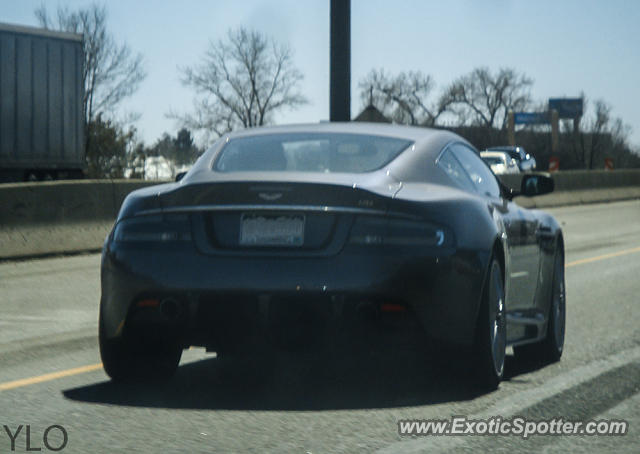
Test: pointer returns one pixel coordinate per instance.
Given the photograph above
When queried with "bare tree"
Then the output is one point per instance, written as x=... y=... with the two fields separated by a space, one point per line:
x=481 y=98
x=600 y=134
x=241 y=82
x=111 y=72
x=403 y=98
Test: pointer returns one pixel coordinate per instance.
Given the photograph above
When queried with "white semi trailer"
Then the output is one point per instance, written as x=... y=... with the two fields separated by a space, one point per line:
x=41 y=104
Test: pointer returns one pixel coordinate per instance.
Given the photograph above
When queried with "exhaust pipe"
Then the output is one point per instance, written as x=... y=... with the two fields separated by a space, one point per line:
x=170 y=308
x=367 y=311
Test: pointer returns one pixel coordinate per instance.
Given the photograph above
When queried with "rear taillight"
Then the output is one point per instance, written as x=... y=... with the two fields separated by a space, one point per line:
x=148 y=302
x=399 y=232
x=157 y=228
x=392 y=307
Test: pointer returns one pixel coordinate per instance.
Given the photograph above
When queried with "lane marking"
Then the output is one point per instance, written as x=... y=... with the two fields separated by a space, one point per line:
x=602 y=257
x=198 y=353
x=48 y=377
x=516 y=402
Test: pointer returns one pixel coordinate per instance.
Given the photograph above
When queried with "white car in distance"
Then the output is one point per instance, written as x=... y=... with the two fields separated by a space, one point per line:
x=500 y=162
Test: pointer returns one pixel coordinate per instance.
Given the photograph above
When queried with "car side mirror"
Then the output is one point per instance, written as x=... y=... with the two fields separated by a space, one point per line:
x=180 y=176
x=536 y=184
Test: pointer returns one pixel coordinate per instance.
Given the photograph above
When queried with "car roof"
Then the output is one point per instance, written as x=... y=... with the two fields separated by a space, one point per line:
x=494 y=153
x=412 y=133
x=507 y=148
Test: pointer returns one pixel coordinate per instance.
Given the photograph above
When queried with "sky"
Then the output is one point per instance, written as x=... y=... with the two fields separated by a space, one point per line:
x=567 y=47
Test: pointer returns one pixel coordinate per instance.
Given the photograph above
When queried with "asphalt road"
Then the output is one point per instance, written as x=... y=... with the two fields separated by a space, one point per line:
x=50 y=372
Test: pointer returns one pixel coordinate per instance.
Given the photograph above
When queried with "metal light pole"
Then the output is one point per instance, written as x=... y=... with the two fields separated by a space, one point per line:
x=340 y=61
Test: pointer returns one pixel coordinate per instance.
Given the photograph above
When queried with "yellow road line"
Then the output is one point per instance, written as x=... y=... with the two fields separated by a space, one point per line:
x=602 y=257
x=48 y=377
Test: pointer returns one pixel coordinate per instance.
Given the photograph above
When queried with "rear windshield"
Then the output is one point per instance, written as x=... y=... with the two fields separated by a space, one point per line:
x=319 y=152
x=492 y=160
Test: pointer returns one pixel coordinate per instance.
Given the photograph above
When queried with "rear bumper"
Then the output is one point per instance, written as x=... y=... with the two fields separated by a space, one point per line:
x=229 y=299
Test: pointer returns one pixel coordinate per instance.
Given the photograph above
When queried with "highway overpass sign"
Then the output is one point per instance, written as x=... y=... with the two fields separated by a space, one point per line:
x=567 y=107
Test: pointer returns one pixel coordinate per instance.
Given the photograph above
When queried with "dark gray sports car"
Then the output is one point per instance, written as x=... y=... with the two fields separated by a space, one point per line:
x=332 y=234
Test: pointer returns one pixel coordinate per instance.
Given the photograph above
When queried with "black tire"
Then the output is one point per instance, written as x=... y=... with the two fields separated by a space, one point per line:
x=491 y=330
x=122 y=362
x=550 y=349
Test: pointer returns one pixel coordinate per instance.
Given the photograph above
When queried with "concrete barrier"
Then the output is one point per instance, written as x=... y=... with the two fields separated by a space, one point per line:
x=574 y=187
x=73 y=216
x=59 y=217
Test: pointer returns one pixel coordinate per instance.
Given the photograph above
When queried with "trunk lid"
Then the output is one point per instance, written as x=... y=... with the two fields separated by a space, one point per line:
x=299 y=214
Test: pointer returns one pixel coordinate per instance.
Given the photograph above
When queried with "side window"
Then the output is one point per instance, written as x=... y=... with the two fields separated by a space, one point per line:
x=452 y=167
x=483 y=179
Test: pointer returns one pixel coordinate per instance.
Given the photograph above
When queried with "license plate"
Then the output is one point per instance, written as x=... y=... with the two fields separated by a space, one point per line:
x=271 y=230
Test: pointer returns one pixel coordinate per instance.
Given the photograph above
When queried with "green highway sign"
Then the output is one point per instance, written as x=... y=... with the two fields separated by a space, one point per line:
x=567 y=107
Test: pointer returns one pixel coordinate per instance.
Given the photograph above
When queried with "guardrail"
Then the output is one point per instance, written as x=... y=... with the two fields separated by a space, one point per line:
x=72 y=216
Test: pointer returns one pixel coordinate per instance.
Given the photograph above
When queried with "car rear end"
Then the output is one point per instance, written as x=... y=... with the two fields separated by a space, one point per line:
x=525 y=161
x=221 y=274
